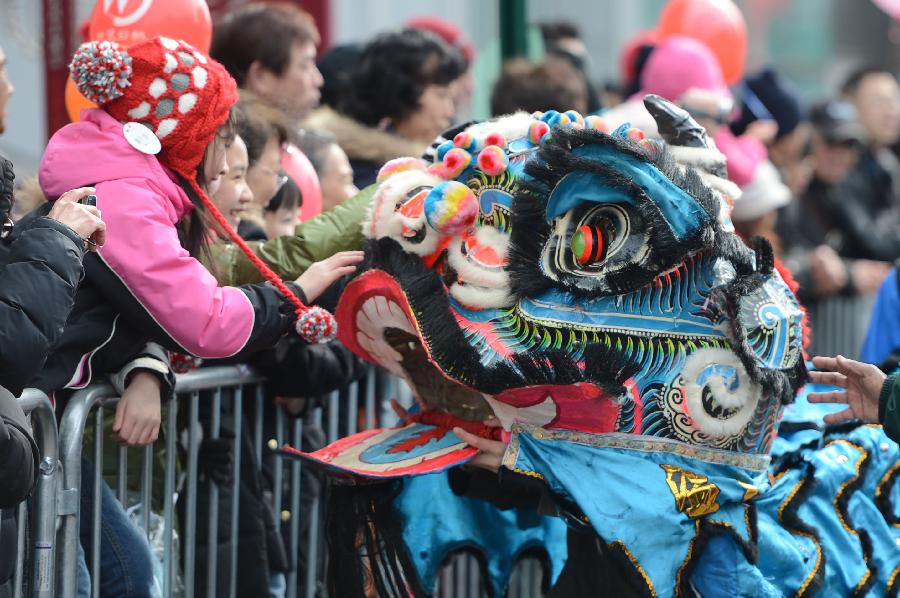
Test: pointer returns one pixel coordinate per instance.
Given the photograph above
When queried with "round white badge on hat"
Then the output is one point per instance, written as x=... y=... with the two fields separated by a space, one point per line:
x=141 y=138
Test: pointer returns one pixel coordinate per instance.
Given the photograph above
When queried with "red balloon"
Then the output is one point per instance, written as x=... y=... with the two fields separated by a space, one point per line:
x=75 y=102
x=717 y=23
x=130 y=21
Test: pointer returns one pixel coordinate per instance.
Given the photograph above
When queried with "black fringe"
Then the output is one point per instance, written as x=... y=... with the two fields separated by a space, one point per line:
x=366 y=551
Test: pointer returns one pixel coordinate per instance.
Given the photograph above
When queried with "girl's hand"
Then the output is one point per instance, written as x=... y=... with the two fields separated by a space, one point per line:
x=322 y=275
x=138 y=412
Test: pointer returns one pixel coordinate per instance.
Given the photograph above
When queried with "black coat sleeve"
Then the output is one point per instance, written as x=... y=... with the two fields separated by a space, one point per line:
x=39 y=280
x=869 y=232
x=18 y=453
x=295 y=368
x=273 y=313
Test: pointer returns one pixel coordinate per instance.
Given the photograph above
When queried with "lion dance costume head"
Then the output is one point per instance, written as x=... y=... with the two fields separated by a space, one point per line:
x=579 y=292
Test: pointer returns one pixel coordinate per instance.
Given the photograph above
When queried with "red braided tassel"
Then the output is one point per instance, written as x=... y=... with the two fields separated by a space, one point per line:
x=314 y=324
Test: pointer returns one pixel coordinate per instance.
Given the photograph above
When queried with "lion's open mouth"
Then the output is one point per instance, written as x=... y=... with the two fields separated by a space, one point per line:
x=377 y=322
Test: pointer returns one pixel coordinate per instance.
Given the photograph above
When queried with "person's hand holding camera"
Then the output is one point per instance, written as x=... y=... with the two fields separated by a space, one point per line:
x=83 y=219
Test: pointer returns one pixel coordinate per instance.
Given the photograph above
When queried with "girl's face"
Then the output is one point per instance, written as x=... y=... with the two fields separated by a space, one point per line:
x=233 y=196
x=265 y=177
x=281 y=222
x=215 y=166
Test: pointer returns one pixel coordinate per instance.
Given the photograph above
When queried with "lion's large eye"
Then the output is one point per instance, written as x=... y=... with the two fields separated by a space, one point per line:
x=590 y=242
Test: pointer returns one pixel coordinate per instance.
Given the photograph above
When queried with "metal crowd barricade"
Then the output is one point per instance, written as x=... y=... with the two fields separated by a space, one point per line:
x=36 y=517
x=216 y=391
x=839 y=324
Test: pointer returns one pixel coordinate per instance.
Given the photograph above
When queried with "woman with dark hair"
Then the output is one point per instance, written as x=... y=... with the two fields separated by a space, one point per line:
x=400 y=99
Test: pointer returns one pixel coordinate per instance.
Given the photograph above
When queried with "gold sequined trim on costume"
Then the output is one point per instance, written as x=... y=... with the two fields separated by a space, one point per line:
x=819 y=556
x=618 y=544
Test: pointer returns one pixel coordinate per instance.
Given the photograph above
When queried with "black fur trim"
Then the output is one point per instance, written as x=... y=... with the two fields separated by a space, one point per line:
x=450 y=348
x=784 y=383
x=531 y=232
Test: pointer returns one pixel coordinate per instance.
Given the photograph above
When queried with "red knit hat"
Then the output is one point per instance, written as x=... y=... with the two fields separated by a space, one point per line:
x=167 y=86
x=183 y=97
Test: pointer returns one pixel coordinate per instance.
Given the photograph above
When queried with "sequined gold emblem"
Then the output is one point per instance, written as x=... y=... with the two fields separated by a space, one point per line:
x=693 y=493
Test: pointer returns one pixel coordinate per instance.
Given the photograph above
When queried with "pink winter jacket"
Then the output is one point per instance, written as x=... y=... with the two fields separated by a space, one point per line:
x=141 y=203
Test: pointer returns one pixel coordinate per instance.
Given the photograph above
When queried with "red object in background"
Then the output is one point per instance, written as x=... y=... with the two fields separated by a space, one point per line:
x=133 y=21
x=62 y=98
x=130 y=21
x=58 y=27
x=629 y=53
x=717 y=23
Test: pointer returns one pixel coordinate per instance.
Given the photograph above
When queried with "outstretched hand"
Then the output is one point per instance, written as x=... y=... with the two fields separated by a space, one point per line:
x=861 y=382
x=321 y=275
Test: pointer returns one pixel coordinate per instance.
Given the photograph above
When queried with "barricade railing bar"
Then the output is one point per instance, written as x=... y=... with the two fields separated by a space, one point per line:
x=35 y=549
x=226 y=403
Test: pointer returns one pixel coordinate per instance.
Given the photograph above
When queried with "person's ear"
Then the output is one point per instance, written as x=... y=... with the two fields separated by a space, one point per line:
x=259 y=78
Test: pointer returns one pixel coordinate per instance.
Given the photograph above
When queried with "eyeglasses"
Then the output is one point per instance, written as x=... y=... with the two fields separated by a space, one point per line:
x=280 y=177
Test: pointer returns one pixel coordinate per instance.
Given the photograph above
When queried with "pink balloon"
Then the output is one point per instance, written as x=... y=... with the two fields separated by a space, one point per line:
x=297 y=166
x=891 y=7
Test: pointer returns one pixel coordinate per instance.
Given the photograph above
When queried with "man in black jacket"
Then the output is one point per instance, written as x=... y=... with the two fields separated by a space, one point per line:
x=40 y=272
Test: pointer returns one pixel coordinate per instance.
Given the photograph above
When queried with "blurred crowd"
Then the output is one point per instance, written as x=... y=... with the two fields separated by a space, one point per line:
x=305 y=141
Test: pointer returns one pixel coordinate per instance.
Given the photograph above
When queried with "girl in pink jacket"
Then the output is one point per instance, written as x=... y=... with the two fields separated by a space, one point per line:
x=153 y=151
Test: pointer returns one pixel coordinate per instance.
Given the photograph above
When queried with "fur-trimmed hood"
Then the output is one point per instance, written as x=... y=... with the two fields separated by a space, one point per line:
x=362 y=142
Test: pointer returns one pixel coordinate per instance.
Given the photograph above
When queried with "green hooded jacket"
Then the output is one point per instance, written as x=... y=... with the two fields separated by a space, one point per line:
x=889 y=407
x=339 y=229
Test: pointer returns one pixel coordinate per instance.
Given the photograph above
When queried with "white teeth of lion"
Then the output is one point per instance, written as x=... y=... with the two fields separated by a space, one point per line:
x=381 y=307
x=377 y=314
x=397 y=313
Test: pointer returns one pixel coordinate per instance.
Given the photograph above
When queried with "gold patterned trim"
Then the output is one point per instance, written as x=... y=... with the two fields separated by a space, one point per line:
x=637 y=566
x=819 y=556
x=690 y=555
x=863 y=455
x=747 y=523
x=837 y=497
x=893 y=578
x=528 y=472
x=649 y=444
